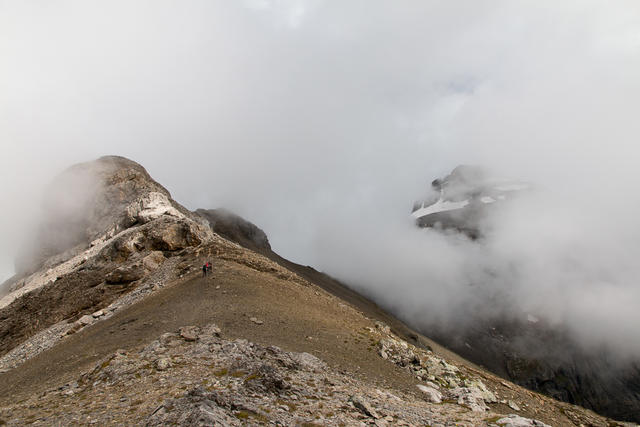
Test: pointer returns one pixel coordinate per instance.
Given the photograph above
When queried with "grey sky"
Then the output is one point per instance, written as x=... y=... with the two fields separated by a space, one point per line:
x=322 y=121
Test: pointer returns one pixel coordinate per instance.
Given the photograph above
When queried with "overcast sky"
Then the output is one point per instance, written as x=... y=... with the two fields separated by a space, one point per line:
x=322 y=121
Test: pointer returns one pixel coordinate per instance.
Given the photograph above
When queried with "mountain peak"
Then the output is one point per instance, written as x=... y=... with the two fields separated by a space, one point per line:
x=91 y=200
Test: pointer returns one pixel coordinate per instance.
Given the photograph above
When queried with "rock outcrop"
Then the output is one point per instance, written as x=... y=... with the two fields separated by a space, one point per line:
x=236 y=228
x=232 y=382
x=109 y=226
x=94 y=200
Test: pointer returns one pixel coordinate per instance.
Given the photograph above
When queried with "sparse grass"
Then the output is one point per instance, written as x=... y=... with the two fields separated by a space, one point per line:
x=292 y=407
x=253 y=376
x=238 y=374
x=242 y=415
x=221 y=372
x=259 y=417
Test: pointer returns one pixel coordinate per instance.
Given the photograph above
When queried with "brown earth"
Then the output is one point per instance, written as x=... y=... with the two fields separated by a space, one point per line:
x=296 y=316
x=69 y=297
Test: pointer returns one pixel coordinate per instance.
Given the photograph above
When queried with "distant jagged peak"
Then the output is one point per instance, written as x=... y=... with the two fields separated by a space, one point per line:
x=462 y=199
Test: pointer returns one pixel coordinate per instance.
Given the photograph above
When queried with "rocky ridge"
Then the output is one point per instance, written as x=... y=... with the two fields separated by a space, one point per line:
x=151 y=248
x=216 y=381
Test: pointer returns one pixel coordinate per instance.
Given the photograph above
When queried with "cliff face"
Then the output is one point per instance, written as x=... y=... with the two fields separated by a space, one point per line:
x=91 y=201
x=108 y=225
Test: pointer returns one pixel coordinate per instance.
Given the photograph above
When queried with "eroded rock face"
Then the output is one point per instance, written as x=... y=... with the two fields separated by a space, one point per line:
x=151 y=206
x=172 y=236
x=154 y=260
x=125 y=275
x=107 y=221
x=95 y=200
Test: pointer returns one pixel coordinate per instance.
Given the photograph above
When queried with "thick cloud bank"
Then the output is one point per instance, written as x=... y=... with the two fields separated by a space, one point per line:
x=323 y=121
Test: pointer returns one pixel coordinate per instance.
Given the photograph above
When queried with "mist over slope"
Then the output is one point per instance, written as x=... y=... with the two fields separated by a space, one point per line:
x=567 y=261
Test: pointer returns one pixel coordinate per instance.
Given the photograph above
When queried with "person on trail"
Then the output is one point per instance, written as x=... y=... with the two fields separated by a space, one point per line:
x=209 y=267
x=204 y=270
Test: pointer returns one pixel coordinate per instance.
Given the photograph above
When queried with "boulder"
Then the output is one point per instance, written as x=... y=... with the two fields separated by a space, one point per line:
x=430 y=394
x=518 y=421
x=153 y=260
x=383 y=327
x=85 y=320
x=513 y=405
x=256 y=320
x=190 y=333
x=363 y=406
x=163 y=363
x=124 y=275
x=308 y=362
x=210 y=330
x=482 y=389
x=171 y=235
x=196 y=407
x=471 y=398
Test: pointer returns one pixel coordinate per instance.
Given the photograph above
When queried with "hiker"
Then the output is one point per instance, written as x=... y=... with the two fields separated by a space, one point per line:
x=209 y=267
x=204 y=270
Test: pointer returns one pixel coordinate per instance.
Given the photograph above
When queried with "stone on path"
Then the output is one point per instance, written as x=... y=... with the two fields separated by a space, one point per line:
x=430 y=394
x=363 y=406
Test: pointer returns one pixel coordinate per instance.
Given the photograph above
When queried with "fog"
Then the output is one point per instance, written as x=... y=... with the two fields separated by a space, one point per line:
x=322 y=122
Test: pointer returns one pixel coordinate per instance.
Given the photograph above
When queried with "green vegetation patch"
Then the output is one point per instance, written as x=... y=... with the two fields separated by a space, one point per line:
x=221 y=372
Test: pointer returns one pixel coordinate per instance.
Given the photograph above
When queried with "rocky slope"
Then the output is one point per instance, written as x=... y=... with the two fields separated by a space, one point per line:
x=524 y=350
x=119 y=327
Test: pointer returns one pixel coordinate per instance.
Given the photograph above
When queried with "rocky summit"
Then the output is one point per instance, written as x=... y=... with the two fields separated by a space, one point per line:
x=111 y=320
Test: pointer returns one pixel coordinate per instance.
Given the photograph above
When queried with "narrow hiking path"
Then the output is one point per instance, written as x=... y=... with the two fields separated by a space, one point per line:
x=295 y=317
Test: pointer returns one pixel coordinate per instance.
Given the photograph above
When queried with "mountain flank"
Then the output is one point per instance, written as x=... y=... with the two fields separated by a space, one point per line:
x=523 y=348
x=119 y=326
